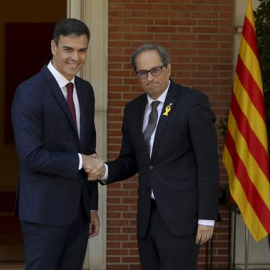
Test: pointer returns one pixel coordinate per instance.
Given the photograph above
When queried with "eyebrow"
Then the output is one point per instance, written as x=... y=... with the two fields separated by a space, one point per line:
x=158 y=66
x=68 y=47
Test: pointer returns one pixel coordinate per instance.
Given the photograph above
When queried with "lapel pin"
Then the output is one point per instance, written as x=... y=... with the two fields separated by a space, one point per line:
x=167 y=109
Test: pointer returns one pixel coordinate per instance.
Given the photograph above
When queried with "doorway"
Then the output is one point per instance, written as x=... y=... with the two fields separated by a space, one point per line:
x=21 y=22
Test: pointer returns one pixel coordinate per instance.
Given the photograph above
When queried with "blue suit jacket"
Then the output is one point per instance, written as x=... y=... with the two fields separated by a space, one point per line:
x=50 y=185
x=183 y=169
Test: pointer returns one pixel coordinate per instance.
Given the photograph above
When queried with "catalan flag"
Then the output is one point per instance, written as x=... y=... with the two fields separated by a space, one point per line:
x=245 y=153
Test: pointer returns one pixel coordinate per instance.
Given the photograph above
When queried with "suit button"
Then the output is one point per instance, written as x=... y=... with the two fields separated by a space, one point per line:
x=151 y=167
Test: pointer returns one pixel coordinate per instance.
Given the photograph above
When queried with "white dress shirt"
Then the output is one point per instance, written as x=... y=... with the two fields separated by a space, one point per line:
x=62 y=82
x=147 y=112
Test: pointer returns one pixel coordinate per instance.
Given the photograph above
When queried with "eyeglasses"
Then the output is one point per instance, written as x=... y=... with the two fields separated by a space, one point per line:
x=155 y=71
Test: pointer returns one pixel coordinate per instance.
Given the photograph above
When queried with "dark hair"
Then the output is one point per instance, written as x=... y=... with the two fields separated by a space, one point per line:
x=164 y=56
x=70 y=27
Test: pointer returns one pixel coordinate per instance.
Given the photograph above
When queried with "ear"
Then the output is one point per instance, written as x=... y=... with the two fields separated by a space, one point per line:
x=169 y=69
x=53 y=47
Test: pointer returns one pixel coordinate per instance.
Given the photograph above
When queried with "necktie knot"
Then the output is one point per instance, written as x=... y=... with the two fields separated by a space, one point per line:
x=154 y=104
x=69 y=88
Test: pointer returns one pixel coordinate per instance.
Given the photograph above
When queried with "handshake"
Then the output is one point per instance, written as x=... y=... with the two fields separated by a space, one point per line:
x=93 y=166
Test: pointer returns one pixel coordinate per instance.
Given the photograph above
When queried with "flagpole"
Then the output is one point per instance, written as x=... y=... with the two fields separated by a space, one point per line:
x=246 y=248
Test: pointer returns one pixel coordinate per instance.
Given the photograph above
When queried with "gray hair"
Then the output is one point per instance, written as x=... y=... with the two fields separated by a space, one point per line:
x=164 y=56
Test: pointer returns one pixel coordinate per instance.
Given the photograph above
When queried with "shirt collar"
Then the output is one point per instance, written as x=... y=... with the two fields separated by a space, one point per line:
x=161 y=98
x=61 y=80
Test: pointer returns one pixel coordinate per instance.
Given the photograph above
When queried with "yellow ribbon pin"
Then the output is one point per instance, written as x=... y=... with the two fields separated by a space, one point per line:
x=167 y=110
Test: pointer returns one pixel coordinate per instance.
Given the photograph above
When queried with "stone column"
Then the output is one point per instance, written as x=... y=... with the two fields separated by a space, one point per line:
x=95 y=14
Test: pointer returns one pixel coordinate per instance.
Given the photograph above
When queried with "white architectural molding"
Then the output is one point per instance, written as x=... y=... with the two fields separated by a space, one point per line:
x=95 y=14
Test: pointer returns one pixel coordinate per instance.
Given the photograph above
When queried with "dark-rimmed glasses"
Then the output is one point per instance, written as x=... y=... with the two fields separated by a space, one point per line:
x=155 y=71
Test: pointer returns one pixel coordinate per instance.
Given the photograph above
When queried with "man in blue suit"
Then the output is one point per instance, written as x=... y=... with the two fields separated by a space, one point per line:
x=172 y=145
x=54 y=139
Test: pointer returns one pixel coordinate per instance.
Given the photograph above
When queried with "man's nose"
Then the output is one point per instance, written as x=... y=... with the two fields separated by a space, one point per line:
x=150 y=77
x=75 y=55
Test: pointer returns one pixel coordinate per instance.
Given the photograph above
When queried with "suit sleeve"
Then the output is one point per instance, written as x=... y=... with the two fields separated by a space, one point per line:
x=125 y=165
x=204 y=140
x=27 y=121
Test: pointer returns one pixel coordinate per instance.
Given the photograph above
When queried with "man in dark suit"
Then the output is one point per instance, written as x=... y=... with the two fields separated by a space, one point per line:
x=54 y=138
x=175 y=154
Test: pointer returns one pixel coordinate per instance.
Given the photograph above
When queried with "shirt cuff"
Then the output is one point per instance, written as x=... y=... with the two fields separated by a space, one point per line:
x=80 y=161
x=105 y=176
x=206 y=222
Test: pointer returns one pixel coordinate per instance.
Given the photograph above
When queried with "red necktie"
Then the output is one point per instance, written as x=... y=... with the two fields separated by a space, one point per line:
x=70 y=101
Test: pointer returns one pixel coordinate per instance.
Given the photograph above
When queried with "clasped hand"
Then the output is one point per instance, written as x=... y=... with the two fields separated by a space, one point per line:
x=93 y=166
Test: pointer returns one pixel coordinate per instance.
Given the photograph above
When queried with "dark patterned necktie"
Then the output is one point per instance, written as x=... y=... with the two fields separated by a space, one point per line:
x=152 y=122
x=70 y=101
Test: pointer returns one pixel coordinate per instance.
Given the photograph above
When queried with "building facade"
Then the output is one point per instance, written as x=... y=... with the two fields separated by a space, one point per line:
x=202 y=39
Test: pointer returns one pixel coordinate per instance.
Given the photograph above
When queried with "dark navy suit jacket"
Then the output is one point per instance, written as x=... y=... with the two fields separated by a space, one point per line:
x=183 y=169
x=50 y=185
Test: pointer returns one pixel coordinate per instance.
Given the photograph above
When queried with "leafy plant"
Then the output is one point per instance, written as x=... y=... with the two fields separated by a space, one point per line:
x=262 y=25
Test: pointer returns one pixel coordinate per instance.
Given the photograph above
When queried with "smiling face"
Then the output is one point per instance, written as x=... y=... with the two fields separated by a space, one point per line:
x=69 y=55
x=154 y=86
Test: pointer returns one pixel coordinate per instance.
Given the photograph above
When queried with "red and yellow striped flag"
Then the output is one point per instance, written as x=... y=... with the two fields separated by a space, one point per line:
x=245 y=153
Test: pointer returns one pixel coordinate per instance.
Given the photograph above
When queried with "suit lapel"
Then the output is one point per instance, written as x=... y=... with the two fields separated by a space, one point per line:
x=57 y=93
x=82 y=105
x=141 y=118
x=164 y=117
